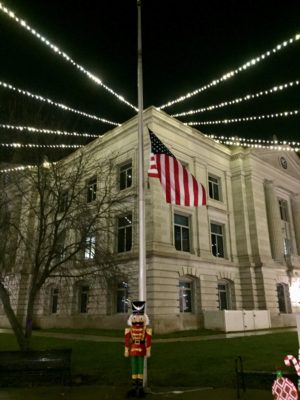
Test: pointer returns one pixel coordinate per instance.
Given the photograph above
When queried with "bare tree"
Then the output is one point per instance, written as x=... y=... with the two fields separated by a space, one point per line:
x=56 y=221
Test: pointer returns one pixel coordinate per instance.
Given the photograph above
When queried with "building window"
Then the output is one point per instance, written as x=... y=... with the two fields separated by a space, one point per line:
x=83 y=299
x=54 y=300
x=63 y=201
x=91 y=190
x=182 y=232
x=90 y=246
x=122 y=296
x=217 y=240
x=283 y=295
x=60 y=247
x=224 y=295
x=124 y=233
x=214 y=187
x=125 y=176
x=185 y=296
x=283 y=207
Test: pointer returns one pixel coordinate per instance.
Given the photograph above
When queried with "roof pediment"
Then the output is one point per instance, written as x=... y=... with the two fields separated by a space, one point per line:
x=286 y=161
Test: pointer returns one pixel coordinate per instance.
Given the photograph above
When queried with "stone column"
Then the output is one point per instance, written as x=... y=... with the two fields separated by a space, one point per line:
x=296 y=219
x=274 y=222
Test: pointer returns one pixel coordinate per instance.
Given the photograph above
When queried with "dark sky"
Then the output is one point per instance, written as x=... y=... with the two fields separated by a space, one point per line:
x=186 y=44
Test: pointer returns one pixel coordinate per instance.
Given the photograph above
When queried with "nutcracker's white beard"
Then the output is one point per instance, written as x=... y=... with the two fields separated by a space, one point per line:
x=144 y=318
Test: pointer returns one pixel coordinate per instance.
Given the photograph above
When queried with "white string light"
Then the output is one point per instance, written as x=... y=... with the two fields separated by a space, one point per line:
x=61 y=53
x=15 y=169
x=245 y=119
x=230 y=74
x=274 y=89
x=33 y=145
x=253 y=141
x=31 y=129
x=53 y=103
x=256 y=146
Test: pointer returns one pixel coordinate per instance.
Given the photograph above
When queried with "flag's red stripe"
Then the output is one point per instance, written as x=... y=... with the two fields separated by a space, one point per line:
x=176 y=180
x=196 y=192
x=203 y=195
x=186 y=187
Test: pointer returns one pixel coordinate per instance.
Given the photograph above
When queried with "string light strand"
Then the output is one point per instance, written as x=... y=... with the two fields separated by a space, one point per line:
x=274 y=89
x=254 y=141
x=256 y=146
x=245 y=119
x=53 y=103
x=230 y=74
x=31 y=129
x=64 y=55
x=16 y=169
x=33 y=145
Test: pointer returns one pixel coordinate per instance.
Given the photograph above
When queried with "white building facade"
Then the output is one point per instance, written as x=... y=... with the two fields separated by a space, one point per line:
x=233 y=264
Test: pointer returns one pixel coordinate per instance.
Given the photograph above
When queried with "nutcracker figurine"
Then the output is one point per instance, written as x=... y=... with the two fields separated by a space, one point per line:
x=138 y=344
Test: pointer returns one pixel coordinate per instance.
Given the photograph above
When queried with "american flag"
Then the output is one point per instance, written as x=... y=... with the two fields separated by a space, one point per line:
x=179 y=185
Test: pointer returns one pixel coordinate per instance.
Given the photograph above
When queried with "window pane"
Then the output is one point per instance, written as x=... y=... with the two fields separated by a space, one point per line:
x=122 y=295
x=220 y=246
x=84 y=293
x=185 y=296
x=128 y=238
x=215 y=228
x=181 y=232
x=214 y=187
x=185 y=240
x=125 y=233
x=125 y=176
x=177 y=232
x=223 y=300
x=91 y=190
x=181 y=220
x=224 y=296
x=54 y=300
x=121 y=240
x=125 y=221
x=283 y=295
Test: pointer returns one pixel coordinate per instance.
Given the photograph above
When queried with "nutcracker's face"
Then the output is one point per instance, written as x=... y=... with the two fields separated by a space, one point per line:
x=138 y=320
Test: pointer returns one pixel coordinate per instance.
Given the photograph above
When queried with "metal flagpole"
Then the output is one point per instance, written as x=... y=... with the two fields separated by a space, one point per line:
x=142 y=236
x=142 y=252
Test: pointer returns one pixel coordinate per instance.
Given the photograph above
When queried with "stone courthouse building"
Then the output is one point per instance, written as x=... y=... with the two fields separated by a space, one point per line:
x=233 y=264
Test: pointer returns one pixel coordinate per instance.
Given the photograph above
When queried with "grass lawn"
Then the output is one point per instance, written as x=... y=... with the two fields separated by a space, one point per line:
x=203 y=363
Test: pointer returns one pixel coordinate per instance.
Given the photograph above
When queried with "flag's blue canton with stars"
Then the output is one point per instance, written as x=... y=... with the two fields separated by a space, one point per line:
x=179 y=185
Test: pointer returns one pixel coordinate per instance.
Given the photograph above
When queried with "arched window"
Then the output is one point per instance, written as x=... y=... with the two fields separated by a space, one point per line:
x=54 y=292
x=283 y=296
x=186 y=295
x=225 y=294
x=83 y=299
x=122 y=296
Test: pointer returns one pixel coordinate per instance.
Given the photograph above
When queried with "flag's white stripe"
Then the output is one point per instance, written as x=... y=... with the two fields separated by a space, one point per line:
x=152 y=166
x=191 y=188
x=163 y=171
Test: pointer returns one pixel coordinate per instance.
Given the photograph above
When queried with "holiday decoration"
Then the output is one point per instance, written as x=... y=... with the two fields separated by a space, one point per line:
x=288 y=360
x=284 y=389
x=138 y=345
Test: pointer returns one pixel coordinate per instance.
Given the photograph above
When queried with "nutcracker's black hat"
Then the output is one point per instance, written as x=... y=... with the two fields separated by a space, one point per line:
x=138 y=307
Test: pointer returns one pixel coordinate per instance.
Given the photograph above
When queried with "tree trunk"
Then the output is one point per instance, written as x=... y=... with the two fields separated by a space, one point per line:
x=29 y=317
x=14 y=322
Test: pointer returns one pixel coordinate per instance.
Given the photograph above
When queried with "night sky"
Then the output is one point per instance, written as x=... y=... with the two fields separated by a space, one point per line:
x=186 y=44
